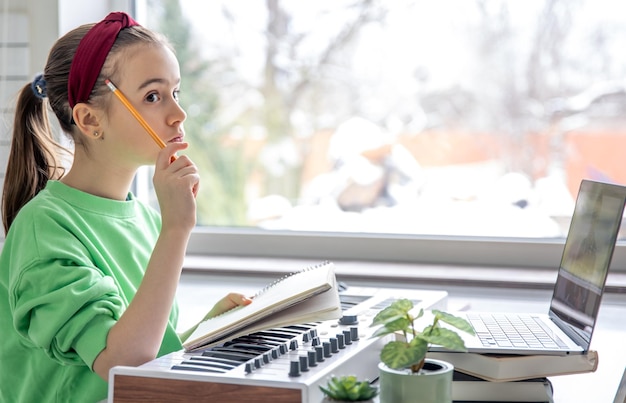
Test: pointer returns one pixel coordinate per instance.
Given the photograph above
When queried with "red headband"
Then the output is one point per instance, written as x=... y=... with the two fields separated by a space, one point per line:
x=91 y=53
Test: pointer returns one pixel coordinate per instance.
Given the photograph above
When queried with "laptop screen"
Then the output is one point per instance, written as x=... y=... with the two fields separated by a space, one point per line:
x=586 y=259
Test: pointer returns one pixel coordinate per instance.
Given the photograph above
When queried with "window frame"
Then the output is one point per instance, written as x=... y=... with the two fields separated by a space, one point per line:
x=464 y=251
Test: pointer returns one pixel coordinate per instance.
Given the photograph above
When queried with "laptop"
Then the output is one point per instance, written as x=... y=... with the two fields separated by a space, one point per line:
x=568 y=326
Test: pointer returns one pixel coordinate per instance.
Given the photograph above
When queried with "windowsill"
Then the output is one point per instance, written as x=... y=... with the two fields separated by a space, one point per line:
x=424 y=274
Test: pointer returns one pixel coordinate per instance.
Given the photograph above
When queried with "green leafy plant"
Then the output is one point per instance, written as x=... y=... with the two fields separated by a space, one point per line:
x=349 y=389
x=410 y=350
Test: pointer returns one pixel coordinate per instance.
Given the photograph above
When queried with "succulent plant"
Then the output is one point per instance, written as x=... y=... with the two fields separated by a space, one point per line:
x=349 y=389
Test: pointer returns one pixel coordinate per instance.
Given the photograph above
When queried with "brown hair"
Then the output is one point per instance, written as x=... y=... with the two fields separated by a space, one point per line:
x=36 y=156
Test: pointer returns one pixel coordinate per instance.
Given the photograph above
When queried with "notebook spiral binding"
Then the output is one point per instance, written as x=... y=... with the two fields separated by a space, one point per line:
x=273 y=283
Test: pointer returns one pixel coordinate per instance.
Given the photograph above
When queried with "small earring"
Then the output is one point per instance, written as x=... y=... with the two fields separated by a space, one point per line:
x=96 y=134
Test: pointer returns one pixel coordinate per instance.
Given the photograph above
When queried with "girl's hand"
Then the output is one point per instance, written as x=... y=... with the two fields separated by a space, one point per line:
x=227 y=303
x=176 y=182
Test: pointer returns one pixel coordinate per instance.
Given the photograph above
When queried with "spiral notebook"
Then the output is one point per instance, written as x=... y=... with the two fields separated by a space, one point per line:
x=304 y=296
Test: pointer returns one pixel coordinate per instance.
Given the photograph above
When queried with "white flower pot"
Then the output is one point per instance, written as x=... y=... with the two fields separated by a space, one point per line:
x=433 y=384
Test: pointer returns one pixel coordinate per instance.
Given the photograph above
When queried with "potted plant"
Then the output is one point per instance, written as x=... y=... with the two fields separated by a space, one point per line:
x=348 y=389
x=406 y=374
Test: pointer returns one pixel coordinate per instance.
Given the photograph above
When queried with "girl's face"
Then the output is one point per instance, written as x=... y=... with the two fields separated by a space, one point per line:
x=149 y=76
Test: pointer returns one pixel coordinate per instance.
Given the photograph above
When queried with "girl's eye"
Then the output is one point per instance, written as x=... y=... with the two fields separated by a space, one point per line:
x=152 y=97
x=176 y=95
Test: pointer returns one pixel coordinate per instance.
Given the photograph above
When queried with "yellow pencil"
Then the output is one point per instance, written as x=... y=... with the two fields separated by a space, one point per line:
x=134 y=112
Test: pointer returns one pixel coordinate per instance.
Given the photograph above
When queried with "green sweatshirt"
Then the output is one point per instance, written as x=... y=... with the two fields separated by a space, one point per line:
x=70 y=265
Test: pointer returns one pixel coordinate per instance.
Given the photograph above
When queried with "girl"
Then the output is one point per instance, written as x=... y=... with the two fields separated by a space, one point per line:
x=88 y=273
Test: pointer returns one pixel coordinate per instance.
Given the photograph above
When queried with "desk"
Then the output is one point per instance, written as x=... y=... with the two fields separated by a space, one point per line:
x=198 y=292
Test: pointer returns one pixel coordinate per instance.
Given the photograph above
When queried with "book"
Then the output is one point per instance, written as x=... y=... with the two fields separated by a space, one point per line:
x=509 y=367
x=303 y=296
x=467 y=388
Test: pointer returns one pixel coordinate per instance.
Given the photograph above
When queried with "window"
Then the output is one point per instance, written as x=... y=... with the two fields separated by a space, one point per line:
x=392 y=122
x=398 y=129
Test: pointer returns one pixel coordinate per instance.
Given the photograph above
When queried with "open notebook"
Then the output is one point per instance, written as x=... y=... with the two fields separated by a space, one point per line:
x=304 y=296
x=568 y=326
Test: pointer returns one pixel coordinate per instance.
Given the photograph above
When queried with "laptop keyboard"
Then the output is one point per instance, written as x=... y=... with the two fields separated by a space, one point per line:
x=512 y=330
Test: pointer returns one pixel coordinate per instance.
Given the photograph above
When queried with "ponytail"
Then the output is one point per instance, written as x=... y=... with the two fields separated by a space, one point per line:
x=34 y=158
x=35 y=155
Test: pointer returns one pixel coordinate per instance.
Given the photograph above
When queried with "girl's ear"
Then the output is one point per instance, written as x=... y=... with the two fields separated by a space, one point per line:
x=87 y=119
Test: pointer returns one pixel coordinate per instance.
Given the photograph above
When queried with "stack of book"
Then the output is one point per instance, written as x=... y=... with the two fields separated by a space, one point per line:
x=511 y=378
x=468 y=388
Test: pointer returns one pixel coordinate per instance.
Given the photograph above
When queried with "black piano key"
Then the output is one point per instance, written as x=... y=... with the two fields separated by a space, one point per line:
x=208 y=364
x=302 y=327
x=246 y=351
x=234 y=363
x=284 y=334
x=234 y=355
x=265 y=340
x=196 y=368
x=258 y=348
